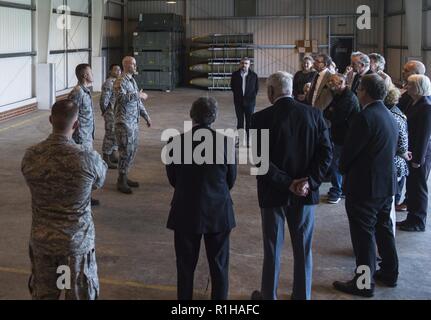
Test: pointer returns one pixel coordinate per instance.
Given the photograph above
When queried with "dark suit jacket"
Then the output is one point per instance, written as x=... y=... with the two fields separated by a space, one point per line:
x=251 y=89
x=405 y=102
x=299 y=148
x=419 y=125
x=340 y=113
x=368 y=155
x=357 y=81
x=202 y=203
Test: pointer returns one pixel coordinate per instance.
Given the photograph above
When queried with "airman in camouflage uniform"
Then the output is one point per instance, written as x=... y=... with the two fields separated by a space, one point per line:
x=61 y=175
x=81 y=95
x=128 y=110
x=107 y=104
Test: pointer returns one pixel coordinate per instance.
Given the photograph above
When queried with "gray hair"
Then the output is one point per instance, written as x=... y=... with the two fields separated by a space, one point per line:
x=380 y=60
x=204 y=111
x=422 y=84
x=419 y=67
x=363 y=58
x=282 y=82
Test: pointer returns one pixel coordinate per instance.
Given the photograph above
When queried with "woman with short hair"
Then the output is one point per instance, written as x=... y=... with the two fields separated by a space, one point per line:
x=419 y=127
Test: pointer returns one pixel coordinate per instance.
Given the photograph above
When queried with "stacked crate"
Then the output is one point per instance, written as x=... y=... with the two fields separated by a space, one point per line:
x=159 y=51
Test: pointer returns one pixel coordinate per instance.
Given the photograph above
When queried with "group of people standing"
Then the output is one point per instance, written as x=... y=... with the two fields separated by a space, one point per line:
x=355 y=126
x=375 y=137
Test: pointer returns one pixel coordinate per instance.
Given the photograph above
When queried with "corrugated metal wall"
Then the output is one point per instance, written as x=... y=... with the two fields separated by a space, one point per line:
x=78 y=37
x=396 y=37
x=113 y=39
x=267 y=29
x=15 y=37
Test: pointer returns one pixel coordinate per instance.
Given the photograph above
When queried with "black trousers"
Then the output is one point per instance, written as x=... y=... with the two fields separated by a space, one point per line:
x=187 y=247
x=370 y=224
x=417 y=191
x=244 y=112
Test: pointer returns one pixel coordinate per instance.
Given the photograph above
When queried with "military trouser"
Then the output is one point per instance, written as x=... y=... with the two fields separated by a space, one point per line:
x=127 y=139
x=46 y=284
x=110 y=141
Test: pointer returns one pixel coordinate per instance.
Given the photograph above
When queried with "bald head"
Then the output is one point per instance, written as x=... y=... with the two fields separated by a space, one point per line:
x=129 y=65
x=413 y=67
x=64 y=116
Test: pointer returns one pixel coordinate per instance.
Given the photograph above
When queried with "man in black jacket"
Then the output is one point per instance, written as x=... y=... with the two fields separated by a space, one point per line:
x=368 y=164
x=361 y=64
x=340 y=113
x=300 y=155
x=202 y=204
x=245 y=87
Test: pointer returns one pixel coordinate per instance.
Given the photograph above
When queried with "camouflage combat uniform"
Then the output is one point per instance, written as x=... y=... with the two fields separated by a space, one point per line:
x=128 y=108
x=61 y=176
x=84 y=135
x=107 y=104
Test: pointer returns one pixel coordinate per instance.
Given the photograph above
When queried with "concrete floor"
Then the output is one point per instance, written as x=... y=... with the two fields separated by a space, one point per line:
x=134 y=249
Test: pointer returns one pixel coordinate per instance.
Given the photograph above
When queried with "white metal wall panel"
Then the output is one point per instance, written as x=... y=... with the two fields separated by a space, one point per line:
x=59 y=60
x=268 y=61
x=78 y=5
x=212 y=8
x=15 y=30
x=73 y=60
x=57 y=36
x=15 y=80
x=343 y=26
x=319 y=30
x=280 y=7
x=326 y=7
x=137 y=7
x=276 y=31
x=204 y=27
x=78 y=37
x=369 y=37
x=27 y=2
x=57 y=3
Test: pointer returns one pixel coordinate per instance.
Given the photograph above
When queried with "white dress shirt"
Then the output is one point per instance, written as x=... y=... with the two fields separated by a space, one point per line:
x=244 y=81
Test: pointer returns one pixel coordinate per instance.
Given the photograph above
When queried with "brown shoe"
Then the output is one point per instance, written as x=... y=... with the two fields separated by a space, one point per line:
x=401 y=208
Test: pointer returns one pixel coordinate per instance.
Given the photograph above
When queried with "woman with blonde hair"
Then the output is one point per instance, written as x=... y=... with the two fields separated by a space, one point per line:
x=419 y=126
x=402 y=156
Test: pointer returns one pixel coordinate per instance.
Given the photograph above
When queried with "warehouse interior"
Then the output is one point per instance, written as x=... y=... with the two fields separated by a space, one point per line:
x=41 y=43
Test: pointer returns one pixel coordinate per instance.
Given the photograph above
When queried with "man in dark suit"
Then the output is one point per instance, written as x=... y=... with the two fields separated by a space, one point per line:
x=370 y=184
x=340 y=114
x=361 y=64
x=300 y=156
x=245 y=87
x=202 y=204
x=419 y=125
